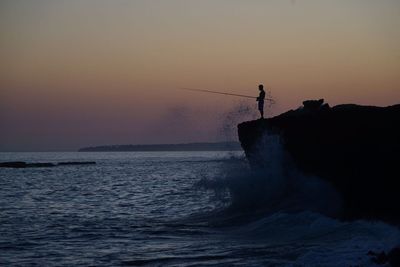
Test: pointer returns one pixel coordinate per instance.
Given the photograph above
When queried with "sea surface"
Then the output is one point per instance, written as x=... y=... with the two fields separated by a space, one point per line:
x=174 y=209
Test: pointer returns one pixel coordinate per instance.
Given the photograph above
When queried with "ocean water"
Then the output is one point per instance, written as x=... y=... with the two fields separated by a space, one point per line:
x=175 y=209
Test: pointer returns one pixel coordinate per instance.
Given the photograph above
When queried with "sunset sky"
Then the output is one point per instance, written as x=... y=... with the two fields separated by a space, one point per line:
x=79 y=73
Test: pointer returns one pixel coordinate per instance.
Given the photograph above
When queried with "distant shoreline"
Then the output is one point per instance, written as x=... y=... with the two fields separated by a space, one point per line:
x=217 y=146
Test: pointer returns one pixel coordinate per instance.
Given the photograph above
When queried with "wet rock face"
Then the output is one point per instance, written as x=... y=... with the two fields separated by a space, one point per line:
x=380 y=258
x=355 y=148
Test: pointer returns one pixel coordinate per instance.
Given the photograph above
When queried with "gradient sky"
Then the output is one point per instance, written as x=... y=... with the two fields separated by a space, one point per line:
x=79 y=73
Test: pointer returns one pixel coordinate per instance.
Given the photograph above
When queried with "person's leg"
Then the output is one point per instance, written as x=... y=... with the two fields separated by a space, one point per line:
x=261 y=109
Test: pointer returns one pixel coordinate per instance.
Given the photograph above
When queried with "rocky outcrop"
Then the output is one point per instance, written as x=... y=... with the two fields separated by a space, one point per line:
x=22 y=164
x=355 y=148
x=393 y=257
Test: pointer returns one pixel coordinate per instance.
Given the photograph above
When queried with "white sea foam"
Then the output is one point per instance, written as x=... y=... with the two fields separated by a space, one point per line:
x=280 y=209
x=278 y=186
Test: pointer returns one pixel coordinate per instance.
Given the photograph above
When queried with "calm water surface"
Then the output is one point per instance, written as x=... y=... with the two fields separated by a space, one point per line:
x=139 y=209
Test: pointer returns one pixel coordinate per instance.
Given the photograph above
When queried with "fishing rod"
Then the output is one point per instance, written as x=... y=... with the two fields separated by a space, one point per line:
x=221 y=93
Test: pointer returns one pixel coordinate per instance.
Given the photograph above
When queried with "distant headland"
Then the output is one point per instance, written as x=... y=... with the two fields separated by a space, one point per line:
x=216 y=146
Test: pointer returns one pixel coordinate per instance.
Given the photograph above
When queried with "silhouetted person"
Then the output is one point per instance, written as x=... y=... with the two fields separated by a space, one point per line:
x=261 y=99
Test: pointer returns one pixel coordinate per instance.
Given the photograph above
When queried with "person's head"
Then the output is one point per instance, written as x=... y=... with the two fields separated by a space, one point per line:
x=260 y=87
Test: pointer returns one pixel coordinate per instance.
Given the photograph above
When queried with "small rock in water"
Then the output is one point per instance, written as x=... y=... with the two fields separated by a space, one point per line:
x=22 y=164
x=13 y=164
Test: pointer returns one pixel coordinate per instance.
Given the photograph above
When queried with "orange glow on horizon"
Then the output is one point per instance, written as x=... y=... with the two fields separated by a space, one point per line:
x=111 y=68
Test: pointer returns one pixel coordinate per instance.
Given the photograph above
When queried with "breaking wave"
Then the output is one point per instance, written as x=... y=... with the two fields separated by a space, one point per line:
x=290 y=215
x=277 y=187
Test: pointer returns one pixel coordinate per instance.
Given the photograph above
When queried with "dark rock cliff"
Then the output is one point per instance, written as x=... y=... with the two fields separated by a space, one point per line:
x=355 y=148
